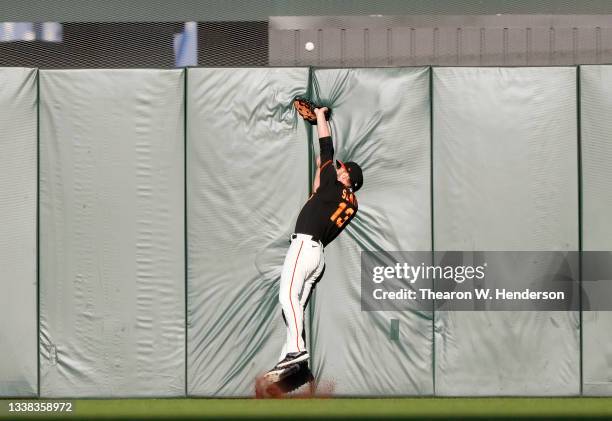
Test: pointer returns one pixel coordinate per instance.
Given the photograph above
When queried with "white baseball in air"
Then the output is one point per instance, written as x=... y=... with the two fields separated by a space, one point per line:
x=309 y=46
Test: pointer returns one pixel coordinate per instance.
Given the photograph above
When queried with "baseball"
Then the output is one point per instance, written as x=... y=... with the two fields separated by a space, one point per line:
x=309 y=46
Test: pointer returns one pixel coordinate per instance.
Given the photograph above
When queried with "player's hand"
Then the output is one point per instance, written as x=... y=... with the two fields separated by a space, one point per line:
x=320 y=111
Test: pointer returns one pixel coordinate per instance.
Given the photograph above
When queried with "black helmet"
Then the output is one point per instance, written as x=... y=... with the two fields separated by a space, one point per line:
x=355 y=173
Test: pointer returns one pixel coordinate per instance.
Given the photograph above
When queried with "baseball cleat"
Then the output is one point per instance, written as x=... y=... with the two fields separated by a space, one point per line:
x=292 y=358
x=279 y=373
x=280 y=381
x=274 y=375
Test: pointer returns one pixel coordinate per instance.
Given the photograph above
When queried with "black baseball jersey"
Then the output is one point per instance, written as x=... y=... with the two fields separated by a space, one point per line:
x=330 y=209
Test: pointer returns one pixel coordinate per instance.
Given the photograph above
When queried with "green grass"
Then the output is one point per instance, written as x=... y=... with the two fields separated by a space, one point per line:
x=403 y=408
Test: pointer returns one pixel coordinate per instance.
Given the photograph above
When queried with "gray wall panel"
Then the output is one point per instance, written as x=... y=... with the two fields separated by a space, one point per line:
x=112 y=233
x=505 y=178
x=380 y=120
x=305 y=57
x=515 y=42
x=247 y=178
x=477 y=40
x=596 y=126
x=219 y=10
x=18 y=312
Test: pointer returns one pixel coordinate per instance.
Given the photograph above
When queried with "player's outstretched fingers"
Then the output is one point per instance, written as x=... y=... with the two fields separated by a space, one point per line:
x=325 y=111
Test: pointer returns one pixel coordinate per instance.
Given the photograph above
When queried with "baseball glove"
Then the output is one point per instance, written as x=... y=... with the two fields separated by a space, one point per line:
x=306 y=109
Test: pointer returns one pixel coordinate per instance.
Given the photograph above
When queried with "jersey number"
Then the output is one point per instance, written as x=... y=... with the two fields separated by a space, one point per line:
x=339 y=220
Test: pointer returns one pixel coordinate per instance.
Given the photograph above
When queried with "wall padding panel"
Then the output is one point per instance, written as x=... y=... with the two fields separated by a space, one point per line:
x=247 y=178
x=18 y=196
x=506 y=178
x=381 y=120
x=596 y=126
x=112 y=246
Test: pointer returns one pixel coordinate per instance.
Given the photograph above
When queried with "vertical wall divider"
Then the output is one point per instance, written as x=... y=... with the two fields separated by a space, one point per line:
x=38 y=231
x=311 y=169
x=579 y=150
x=186 y=252
x=433 y=249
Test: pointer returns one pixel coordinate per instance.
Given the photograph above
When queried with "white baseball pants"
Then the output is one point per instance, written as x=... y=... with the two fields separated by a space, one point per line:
x=303 y=265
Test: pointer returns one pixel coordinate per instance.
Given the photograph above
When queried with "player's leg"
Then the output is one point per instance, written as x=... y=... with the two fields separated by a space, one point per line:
x=292 y=279
x=309 y=284
x=302 y=259
x=284 y=348
x=313 y=278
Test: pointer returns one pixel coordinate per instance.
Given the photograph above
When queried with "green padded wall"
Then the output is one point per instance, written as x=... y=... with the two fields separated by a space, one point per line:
x=506 y=178
x=381 y=120
x=18 y=196
x=247 y=178
x=596 y=127
x=112 y=245
x=112 y=221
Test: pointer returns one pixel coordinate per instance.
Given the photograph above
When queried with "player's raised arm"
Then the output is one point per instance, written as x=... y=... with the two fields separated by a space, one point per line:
x=322 y=124
x=326 y=171
x=318 y=116
x=317 y=177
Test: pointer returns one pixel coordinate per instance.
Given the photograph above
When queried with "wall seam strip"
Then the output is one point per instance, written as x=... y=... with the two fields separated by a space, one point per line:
x=313 y=298
x=38 y=231
x=186 y=275
x=431 y=211
x=579 y=150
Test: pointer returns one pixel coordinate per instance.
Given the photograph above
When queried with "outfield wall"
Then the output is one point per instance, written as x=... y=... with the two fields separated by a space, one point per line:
x=165 y=200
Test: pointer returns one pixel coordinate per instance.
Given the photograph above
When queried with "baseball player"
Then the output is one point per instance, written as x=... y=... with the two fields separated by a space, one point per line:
x=330 y=208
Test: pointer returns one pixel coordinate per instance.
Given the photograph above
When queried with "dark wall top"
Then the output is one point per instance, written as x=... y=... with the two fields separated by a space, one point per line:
x=260 y=10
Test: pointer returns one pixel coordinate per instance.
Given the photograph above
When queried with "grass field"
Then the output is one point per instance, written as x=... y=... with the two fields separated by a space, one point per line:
x=294 y=409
